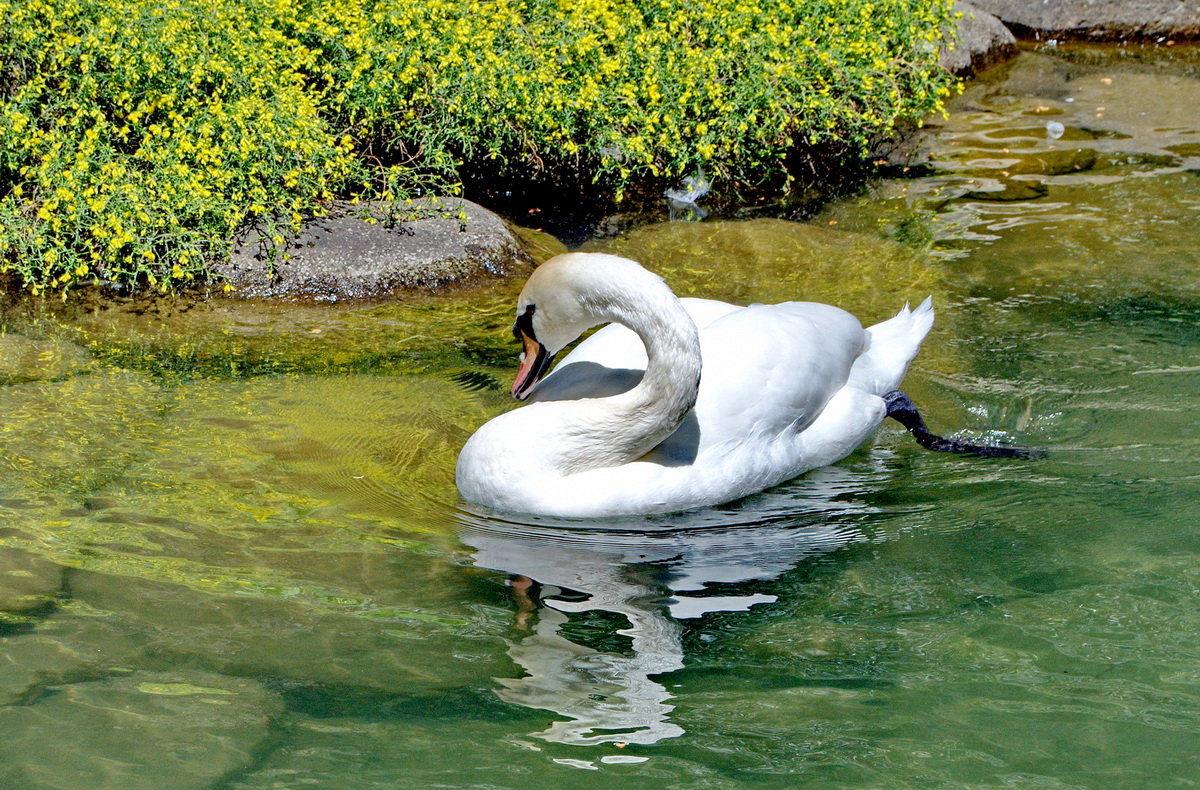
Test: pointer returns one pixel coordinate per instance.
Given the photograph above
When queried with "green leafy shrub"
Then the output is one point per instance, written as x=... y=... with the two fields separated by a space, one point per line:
x=137 y=136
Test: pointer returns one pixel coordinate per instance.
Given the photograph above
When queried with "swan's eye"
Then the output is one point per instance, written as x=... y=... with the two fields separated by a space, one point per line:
x=524 y=325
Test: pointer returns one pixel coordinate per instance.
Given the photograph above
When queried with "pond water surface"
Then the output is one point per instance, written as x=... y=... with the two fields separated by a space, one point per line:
x=232 y=556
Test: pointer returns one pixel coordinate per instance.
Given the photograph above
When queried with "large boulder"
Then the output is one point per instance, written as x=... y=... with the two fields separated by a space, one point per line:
x=1099 y=19
x=978 y=40
x=377 y=249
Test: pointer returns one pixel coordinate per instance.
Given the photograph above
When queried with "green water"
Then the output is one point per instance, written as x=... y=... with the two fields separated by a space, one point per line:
x=231 y=554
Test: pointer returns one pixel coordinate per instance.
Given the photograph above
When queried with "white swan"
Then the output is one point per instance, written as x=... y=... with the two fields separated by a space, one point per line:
x=680 y=403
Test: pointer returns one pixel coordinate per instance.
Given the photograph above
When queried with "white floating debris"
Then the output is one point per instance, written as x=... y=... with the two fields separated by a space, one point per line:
x=586 y=765
x=1055 y=130
x=694 y=187
x=622 y=759
x=681 y=203
x=1192 y=369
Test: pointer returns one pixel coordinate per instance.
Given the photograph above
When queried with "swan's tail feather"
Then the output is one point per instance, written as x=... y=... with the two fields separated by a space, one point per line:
x=893 y=344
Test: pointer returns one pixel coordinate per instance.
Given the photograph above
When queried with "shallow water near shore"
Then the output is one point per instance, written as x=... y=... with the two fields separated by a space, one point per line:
x=232 y=556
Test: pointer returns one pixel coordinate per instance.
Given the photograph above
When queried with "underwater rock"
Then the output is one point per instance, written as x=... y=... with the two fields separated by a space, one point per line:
x=978 y=40
x=1010 y=189
x=1043 y=119
x=1137 y=112
x=1032 y=75
x=143 y=730
x=1048 y=162
x=24 y=359
x=1111 y=246
x=774 y=260
x=1054 y=162
x=27 y=581
x=1185 y=149
x=540 y=245
x=386 y=650
x=236 y=487
x=74 y=436
x=446 y=742
x=1098 y=19
x=377 y=249
x=1142 y=162
x=63 y=649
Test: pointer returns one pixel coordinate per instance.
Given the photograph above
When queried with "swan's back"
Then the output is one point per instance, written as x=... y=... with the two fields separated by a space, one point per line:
x=767 y=369
x=770 y=369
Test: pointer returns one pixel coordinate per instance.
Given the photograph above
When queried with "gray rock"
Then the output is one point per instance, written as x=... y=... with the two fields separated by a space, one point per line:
x=377 y=249
x=978 y=41
x=1098 y=19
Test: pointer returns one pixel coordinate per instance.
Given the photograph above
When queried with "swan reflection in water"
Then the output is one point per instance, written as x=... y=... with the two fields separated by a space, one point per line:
x=655 y=573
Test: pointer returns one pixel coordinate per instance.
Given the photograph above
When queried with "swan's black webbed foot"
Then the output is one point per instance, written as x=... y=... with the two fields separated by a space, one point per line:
x=901 y=409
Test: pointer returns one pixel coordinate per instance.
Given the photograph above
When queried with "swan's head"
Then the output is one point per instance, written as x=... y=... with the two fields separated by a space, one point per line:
x=566 y=296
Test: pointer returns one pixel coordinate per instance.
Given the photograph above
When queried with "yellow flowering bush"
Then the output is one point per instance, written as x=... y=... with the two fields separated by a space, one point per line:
x=137 y=136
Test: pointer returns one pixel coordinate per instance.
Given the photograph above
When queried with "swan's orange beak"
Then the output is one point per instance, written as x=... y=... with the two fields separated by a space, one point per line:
x=535 y=361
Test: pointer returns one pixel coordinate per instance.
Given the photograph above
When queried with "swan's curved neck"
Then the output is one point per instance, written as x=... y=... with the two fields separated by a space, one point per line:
x=622 y=428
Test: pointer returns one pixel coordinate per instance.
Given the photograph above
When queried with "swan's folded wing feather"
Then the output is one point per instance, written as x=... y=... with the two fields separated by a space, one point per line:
x=772 y=368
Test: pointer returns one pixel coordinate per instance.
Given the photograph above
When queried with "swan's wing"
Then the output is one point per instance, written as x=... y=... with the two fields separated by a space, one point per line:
x=613 y=359
x=769 y=369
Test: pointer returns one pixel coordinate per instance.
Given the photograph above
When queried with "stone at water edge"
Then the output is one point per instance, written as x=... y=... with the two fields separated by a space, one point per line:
x=378 y=249
x=977 y=41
